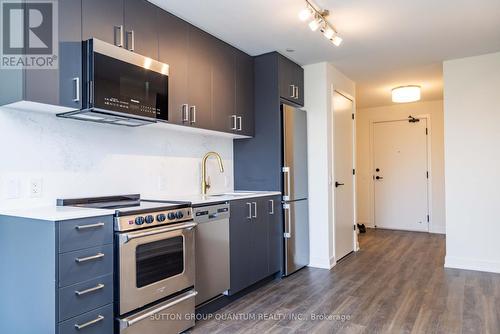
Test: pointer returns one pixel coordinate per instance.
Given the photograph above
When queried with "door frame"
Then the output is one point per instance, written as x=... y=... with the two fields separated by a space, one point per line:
x=373 y=121
x=331 y=181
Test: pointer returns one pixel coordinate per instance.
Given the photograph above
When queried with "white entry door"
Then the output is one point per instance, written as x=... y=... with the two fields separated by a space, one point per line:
x=401 y=175
x=343 y=182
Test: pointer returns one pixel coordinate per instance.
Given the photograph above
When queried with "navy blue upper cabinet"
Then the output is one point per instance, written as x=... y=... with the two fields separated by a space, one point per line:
x=200 y=78
x=103 y=20
x=223 y=80
x=173 y=42
x=290 y=80
x=141 y=30
x=244 y=99
x=60 y=86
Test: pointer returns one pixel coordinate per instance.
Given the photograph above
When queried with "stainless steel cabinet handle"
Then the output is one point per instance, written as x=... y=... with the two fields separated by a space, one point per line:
x=249 y=211
x=286 y=190
x=293 y=91
x=89 y=258
x=239 y=123
x=119 y=40
x=288 y=221
x=84 y=227
x=77 y=89
x=296 y=92
x=272 y=207
x=192 y=110
x=95 y=288
x=185 y=113
x=91 y=322
x=233 y=119
x=254 y=209
x=132 y=40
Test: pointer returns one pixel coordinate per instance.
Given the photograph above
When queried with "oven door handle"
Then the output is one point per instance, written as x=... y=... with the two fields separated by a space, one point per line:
x=126 y=237
x=127 y=322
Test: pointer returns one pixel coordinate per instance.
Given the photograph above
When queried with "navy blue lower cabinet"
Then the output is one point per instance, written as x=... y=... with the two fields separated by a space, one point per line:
x=84 y=264
x=85 y=296
x=255 y=240
x=69 y=291
x=98 y=321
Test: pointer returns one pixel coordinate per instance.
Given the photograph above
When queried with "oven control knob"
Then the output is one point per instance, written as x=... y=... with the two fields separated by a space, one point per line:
x=179 y=214
x=139 y=220
x=149 y=219
x=161 y=217
x=171 y=215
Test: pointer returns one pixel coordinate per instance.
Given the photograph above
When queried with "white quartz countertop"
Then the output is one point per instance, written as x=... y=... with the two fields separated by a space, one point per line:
x=56 y=213
x=211 y=198
x=59 y=213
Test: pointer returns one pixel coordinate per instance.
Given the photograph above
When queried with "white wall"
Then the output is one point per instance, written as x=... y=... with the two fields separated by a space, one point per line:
x=364 y=175
x=472 y=138
x=320 y=81
x=75 y=158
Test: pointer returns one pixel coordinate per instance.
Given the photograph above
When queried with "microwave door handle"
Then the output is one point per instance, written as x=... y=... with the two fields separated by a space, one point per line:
x=126 y=237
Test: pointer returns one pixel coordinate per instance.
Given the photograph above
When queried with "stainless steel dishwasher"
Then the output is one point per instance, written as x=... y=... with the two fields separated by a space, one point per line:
x=212 y=251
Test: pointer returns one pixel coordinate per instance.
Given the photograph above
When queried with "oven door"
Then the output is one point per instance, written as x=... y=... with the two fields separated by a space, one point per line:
x=154 y=264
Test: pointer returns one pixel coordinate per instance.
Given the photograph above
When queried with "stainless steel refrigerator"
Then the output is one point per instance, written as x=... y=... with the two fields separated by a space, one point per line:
x=295 y=193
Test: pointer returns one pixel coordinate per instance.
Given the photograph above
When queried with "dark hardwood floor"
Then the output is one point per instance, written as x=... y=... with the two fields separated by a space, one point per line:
x=396 y=283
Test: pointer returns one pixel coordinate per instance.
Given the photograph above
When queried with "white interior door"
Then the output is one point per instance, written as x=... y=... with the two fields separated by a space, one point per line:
x=343 y=182
x=400 y=175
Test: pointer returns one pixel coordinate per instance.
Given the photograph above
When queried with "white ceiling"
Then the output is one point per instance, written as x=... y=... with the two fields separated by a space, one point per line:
x=387 y=43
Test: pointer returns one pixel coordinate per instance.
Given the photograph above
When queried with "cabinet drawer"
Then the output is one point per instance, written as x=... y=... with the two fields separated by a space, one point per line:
x=99 y=321
x=85 y=264
x=85 y=233
x=83 y=297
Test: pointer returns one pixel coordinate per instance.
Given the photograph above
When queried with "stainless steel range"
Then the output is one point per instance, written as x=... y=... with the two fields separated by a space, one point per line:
x=154 y=261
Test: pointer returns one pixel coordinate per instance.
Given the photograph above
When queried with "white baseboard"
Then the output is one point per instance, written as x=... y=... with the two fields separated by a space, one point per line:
x=437 y=229
x=471 y=264
x=322 y=263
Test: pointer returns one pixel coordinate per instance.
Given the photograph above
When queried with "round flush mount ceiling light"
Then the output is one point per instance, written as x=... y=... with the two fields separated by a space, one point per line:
x=405 y=94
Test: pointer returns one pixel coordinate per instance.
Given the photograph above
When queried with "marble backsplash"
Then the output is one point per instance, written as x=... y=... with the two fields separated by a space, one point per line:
x=74 y=158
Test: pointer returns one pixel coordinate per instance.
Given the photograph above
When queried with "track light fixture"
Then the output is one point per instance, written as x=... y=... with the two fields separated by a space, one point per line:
x=318 y=20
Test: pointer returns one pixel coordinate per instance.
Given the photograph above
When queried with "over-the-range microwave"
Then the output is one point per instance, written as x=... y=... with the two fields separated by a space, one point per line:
x=121 y=87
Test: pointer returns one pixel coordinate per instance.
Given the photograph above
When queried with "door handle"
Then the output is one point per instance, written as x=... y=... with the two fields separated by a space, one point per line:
x=193 y=114
x=239 y=122
x=296 y=92
x=272 y=207
x=84 y=227
x=84 y=292
x=234 y=118
x=120 y=37
x=77 y=89
x=185 y=113
x=89 y=258
x=286 y=190
x=254 y=209
x=132 y=40
x=91 y=322
x=337 y=184
x=288 y=220
x=379 y=177
x=249 y=210
x=293 y=91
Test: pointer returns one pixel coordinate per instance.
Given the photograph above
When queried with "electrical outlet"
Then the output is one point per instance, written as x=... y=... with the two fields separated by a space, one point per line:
x=35 y=187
